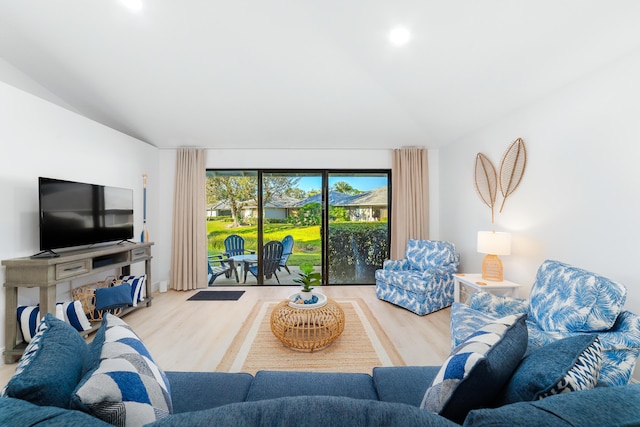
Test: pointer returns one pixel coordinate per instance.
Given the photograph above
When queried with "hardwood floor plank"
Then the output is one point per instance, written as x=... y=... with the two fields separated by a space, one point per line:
x=186 y=335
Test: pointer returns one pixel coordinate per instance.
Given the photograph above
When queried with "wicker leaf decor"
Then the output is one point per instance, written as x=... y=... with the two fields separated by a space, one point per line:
x=486 y=181
x=512 y=167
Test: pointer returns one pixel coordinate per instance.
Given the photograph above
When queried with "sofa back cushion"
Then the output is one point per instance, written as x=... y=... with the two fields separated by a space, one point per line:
x=569 y=299
x=429 y=254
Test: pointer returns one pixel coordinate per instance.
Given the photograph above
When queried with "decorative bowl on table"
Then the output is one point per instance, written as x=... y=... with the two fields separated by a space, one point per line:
x=307 y=300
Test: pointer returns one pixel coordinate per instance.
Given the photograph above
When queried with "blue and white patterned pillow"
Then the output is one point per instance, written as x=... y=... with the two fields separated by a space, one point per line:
x=73 y=313
x=126 y=387
x=477 y=369
x=28 y=319
x=583 y=375
x=70 y=312
x=568 y=364
x=138 y=290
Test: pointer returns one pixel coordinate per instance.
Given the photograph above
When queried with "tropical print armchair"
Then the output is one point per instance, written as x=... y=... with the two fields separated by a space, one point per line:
x=423 y=281
x=564 y=301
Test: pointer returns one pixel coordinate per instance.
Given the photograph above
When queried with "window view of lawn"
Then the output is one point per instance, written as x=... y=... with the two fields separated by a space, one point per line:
x=306 y=247
x=357 y=231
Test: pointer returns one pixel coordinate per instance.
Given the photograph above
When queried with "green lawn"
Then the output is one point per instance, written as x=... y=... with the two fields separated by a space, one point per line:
x=306 y=246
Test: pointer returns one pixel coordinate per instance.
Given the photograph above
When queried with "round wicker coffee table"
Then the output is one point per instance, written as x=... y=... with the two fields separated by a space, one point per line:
x=307 y=329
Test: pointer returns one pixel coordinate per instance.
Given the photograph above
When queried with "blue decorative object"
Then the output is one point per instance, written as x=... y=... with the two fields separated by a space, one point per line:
x=569 y=364
x=51 y=365
x=113 y=297
x=577 y=300
x=477 y=369
x=423 y=281
x=124 y=386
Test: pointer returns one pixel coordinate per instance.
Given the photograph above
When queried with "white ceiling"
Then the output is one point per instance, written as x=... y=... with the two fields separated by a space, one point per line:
x=309 y=73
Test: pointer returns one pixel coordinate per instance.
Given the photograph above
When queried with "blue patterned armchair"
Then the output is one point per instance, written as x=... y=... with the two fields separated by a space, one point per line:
x=423 y=281
x=564 y=301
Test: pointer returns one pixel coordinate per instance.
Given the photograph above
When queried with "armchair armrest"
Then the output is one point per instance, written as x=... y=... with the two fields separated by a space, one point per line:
x=498 y=305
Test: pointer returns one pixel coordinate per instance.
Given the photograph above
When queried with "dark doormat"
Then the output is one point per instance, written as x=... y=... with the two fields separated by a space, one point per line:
x=216 y=296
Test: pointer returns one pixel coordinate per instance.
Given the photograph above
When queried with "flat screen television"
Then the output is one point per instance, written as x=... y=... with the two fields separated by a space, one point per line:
x=77 y=214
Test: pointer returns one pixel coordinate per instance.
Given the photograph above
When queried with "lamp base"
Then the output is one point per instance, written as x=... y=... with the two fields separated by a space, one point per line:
x=492 y=268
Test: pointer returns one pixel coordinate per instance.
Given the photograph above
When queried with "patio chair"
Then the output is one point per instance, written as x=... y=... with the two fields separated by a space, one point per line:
x=287 y=250
x=220 y=266
x=234 y=245
x=271 y=254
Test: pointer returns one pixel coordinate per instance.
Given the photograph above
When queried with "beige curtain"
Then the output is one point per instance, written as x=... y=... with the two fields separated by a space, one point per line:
x=410 y=198
x=189 y=231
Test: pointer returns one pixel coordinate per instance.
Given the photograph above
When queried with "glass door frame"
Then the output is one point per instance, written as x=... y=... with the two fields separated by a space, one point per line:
x=324 y=227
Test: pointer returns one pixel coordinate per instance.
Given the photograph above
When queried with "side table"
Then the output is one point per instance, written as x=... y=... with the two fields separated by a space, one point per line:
x=467 y=284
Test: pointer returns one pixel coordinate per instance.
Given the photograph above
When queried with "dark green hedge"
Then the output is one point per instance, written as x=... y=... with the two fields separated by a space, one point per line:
x=356 y=251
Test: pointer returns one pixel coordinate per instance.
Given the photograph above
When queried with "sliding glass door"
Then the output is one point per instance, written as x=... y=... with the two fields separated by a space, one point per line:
x=358 y=232
x=337 y=221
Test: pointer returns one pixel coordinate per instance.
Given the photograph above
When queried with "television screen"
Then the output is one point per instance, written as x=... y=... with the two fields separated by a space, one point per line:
x=76 y=214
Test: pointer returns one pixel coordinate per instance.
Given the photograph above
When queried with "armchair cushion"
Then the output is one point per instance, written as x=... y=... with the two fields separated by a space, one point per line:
x=566 y=298
x=429 y=254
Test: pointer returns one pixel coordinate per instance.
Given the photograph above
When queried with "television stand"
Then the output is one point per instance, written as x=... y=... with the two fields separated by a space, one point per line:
x=46 y=272
x=46 y=254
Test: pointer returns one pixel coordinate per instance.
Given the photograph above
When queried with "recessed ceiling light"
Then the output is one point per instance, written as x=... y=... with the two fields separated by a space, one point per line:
x=399 y=36
x=133 y=4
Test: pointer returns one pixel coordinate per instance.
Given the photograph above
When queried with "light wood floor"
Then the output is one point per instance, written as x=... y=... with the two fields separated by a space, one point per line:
x=186 y=335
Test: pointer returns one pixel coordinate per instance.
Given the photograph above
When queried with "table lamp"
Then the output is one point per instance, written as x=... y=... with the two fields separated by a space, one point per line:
x=493 y=244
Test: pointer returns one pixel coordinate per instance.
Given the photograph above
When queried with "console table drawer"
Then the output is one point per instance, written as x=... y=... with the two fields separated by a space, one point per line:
x=73 y=268
x=140 y=253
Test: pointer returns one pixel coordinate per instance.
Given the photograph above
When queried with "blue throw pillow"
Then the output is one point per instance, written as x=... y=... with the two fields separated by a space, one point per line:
x=137 y=287
x=569 y=364
x=477 y=369
x=51 y=365
x=113 y=297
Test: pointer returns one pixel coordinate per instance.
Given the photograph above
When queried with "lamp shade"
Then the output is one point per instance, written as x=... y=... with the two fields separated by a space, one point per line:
x=494 y=243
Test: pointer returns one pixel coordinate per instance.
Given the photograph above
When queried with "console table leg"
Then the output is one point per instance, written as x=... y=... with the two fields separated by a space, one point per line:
x=11 y=323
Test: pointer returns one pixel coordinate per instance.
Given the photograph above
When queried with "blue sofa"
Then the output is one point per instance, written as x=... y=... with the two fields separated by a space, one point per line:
x=52 y=379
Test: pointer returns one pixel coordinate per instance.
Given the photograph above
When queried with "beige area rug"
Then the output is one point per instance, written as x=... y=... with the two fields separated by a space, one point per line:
x=362 y=346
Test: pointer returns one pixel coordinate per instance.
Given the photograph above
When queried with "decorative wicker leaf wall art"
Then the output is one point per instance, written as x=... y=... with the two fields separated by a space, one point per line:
x=486 y=181
x=512 y=167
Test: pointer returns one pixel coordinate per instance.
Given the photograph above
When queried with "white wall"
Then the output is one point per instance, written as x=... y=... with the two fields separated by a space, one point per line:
x=39 y=138
x=579 y=198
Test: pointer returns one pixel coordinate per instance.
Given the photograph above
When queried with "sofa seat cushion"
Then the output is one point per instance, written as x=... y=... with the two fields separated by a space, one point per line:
x=309 y=411
x=568 y=299
x=410 y=281
x=477 y=369
x=602 y=406
x=194 y=391
x=51 y=366
x=275 y=384
x=403 y=384
x=17 y=412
